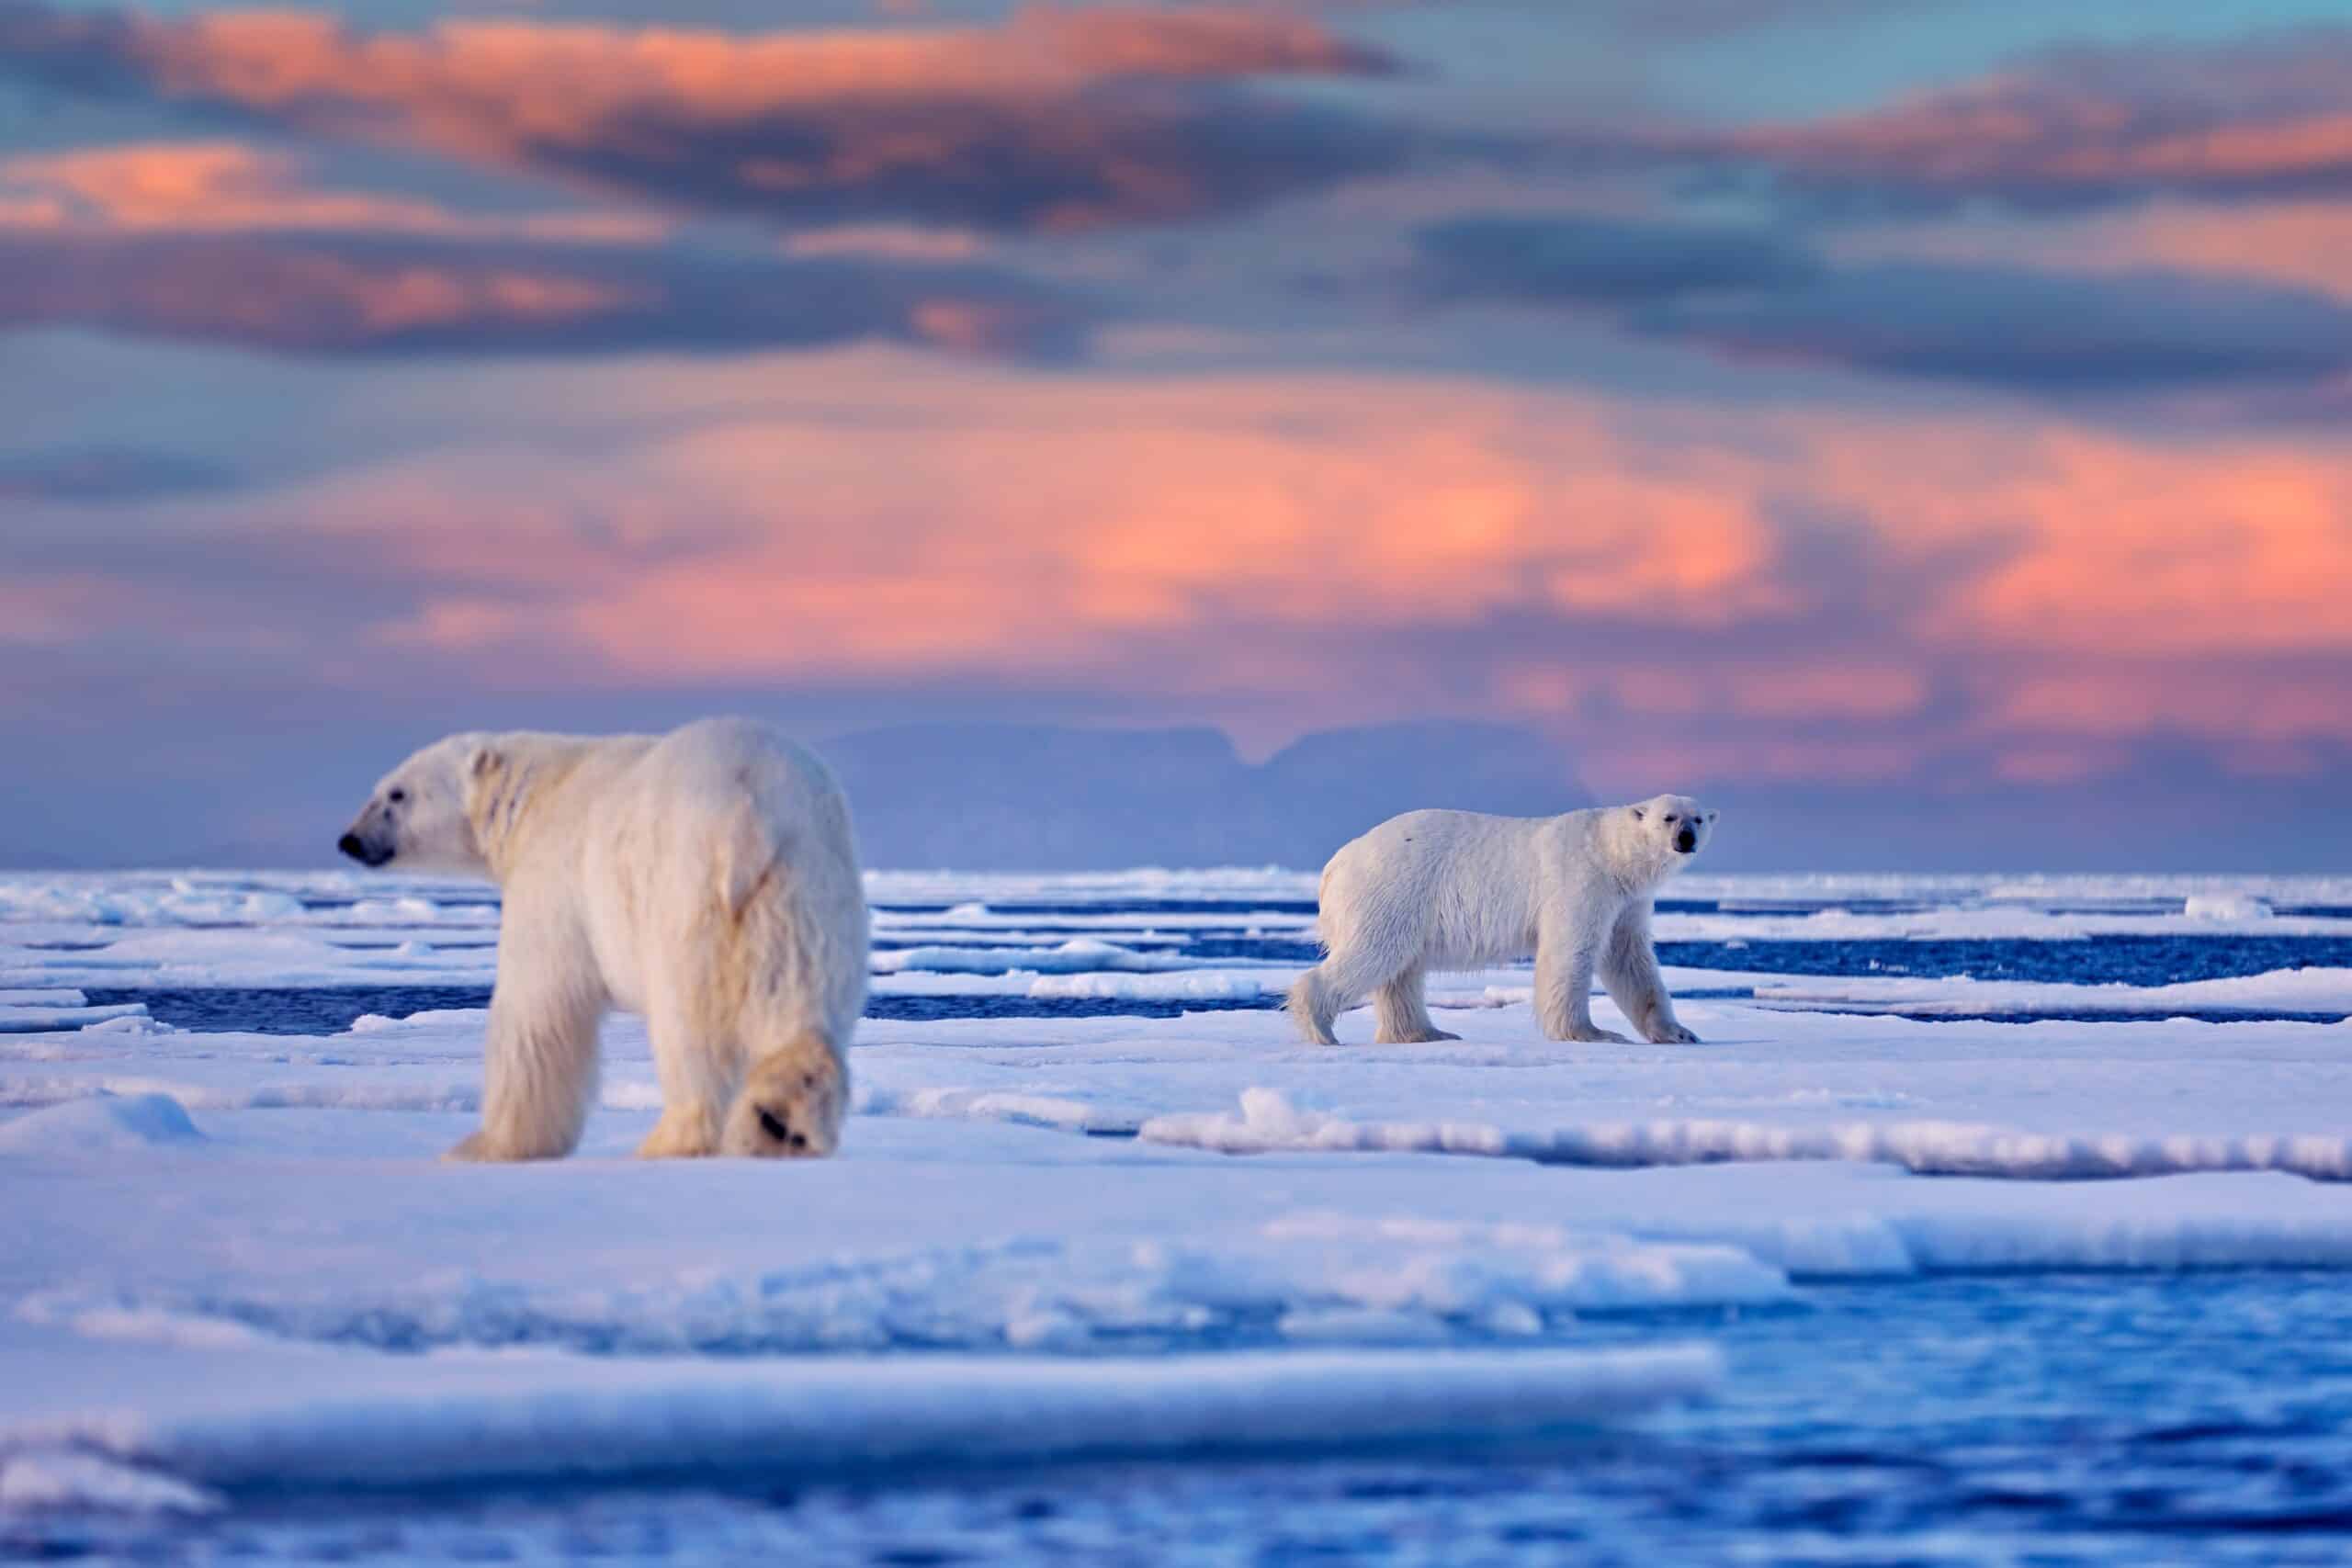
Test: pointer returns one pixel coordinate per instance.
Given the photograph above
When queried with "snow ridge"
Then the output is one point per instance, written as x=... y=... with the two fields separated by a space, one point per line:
x=1267 y=1120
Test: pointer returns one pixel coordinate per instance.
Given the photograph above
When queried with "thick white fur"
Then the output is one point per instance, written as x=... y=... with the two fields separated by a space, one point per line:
x=706 y=879
x=1459 y=889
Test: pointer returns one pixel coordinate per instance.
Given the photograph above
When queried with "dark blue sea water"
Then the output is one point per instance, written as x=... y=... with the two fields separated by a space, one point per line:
x=2131 y=960
x=330 y=1010
x=2111 y=1420
x=2091 y=961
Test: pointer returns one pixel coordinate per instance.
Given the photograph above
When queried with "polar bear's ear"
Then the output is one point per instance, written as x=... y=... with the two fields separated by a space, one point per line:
x=1636 y=811
x=484 y=769
x=1712 y=815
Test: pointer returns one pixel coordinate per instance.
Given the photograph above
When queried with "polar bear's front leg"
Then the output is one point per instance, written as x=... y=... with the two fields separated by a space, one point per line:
x=684 y=1132
x=1629 y=968
x=539 y=1056
x=1565 y=951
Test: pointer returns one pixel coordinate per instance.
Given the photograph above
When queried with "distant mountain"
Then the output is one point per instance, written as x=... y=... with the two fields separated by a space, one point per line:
x=1004 y=796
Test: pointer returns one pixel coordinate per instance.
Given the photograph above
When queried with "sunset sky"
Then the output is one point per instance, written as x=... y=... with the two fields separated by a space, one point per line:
x=1799 y=401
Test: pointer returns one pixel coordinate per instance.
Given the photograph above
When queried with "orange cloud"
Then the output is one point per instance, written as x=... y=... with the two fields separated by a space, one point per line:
x=1032 y=519
x=1280 y=550
x=2236 y=544
x=1056 y=118
x=215 y=185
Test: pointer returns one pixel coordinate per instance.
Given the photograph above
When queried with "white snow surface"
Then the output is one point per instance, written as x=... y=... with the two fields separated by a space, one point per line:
x=100 y=1125
x=232 y=1259
x=2310 y=989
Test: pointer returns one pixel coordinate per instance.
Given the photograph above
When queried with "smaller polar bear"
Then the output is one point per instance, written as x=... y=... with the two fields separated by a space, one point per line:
x=706 y=879
x=1456 y=889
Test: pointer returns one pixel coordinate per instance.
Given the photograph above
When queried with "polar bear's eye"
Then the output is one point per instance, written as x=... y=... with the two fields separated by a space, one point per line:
x=396 y=796
x=1671 y=816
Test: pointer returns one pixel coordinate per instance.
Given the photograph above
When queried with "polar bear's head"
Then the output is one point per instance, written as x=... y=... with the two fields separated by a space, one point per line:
x=1675 y=826
x=421 y=816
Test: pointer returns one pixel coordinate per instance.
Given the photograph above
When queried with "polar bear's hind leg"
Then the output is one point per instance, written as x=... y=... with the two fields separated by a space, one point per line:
x=1334 y=986
x=1404 y=1013
x=791 y=1105
x=1312 y=1009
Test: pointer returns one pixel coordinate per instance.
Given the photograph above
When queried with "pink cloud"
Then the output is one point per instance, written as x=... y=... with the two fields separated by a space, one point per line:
x=2266 y=116
x=1057 y=119
x=1284 y=551
x=55 y=609
x=2304 y=244
x=214 y=186
x=1312 y=540
x=336 y=292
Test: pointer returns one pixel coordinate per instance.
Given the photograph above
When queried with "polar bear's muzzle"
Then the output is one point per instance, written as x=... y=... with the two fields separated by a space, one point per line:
x=1686 y=841
x=363 y=850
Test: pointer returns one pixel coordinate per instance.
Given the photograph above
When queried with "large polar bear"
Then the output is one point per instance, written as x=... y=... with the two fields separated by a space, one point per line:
x=1456 y=889
x=706 y=879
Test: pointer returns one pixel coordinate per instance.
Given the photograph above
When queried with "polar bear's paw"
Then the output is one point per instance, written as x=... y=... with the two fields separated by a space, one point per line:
x=1673 y=1035
x=790 y=1107
x=481 y=1148
x=1593 y=1034
x=1420 y=1037
x=684 y=1133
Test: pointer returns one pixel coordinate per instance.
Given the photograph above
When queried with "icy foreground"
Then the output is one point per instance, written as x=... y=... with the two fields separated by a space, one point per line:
x=231 y=1260
x=333 y=1418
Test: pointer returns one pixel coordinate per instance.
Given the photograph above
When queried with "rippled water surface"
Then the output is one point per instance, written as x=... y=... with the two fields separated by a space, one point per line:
x=2066 y=1419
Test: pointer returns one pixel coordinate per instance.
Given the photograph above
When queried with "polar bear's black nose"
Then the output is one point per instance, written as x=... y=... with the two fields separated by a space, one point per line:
x=1686 y=840
x=349 y=844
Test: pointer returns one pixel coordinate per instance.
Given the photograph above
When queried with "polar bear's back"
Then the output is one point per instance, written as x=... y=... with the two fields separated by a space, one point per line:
x=736 y=838
x=705 y=774
x=754 y=806
x=1460 y=888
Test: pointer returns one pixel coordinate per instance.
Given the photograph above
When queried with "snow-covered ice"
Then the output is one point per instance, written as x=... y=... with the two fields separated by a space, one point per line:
x=231 y=1258
x=180 y=1422
x=322 y=928
x=102 y=1124
x=2310 y=989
